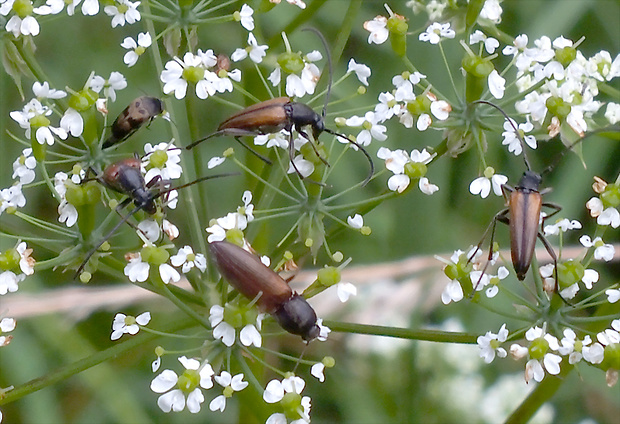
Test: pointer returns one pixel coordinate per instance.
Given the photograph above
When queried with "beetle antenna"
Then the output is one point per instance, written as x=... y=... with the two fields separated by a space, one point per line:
x=329 y=66
x=514 y=127
x=104 y=239
x=356 y=144
x=197 y=180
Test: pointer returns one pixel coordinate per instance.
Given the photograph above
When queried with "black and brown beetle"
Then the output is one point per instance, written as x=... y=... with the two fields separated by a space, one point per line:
x=249 y=276
x=139 y=112
x=280 y=113
x=125 y=177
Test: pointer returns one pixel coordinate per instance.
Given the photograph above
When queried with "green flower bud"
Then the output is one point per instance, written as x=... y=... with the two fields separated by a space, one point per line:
x=92 y=193
x=158 y=159
x=291 y=63
x=188 y=381
x=83 y=100
x=23 y=8
x=154 y=255
x=291 y=402
x=558 y=107
x=397 y=26
x=611 y=196
x=9 y=260
x=415 y=170
x=75 y=194
x=235 y=236
x=193 y=74
x=611 y=359
x=566 y=55
x=422 y=104
x=538 y=348
x=39 y=121
x=328 y=276
x=570 y=272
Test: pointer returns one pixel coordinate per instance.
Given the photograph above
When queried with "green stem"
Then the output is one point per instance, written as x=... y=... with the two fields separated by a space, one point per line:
x=87 y=363
x=402 y=333
x=537 y=397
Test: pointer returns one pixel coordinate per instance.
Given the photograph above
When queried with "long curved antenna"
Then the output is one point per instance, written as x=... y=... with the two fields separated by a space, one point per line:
x=514 y=127
x=104 y=239
x=329 y=66
x=372 y=165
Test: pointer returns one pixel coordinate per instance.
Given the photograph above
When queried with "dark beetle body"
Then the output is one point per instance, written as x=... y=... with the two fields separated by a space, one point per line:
x=247 y=274
x=125 y=176
x=140 y=111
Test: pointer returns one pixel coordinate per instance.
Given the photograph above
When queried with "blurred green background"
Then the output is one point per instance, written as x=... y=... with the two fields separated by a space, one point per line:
x=374 y=380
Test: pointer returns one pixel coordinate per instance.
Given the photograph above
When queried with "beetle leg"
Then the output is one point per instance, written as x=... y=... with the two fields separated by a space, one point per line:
x=556 y=208
x=316 y=152
x=372 y=165
x=501 y=216
x=107 y=236
x=254 y=152
x=291 y=156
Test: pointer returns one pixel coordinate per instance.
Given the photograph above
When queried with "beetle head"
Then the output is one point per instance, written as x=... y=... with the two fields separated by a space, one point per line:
x=297 y=317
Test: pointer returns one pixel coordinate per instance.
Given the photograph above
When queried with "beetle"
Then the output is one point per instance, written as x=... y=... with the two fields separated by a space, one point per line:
x=249 y=276
x=522 y=214
x=140 y=111
x=125 y=177
x=280 y=113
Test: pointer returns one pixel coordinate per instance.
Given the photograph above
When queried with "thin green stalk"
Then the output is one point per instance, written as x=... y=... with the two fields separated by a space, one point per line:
x=402 y=333
x=70 y=370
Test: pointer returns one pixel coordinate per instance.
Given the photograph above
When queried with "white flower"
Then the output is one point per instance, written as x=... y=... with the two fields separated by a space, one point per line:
x=387 y=107
x=563 y=226
x=603 y=251
x=72 y=122
x=453 y=292
x=116 y=82
x=89 y=7
x=497 y=84
x=221 y=329
x=301 y=165
x=492 y=11
x=136 y=49
x=378 y=30
x=34 y=115
x=43 y=91
x=168 y=274
x=362 y=71
x=275 y=391
x=149 y=228
x=196 y=376
x=512 y=140
x=123 y=11
x=189 y=259
x=26 y=263
x=6 y=326
x=398 y=160
x=215 y=161
x=317 y=371
x=233 y=220
x=136 y=270
x=9 y=282
x=436 y=31
x=613 y=295
x=345 y=290
x=356 y=221
x=12 y=197
x=371 y=128
x=612 y=113
x=490 y=344
x=230 y=384
x=482 y=185
x=568 y=346
x=23 y=167
x=170 y=169
x=253 y=50
x=248 y=208
x=124 y=324
x=490 y=43
x=192 y=67
x=245 y=17
x=67 y=213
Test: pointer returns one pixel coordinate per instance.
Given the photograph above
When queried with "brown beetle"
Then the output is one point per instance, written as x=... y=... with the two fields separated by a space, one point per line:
x=522 y=214
x=125 y=177
x=273 y=115
x=140 y=111
x=247 y=274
